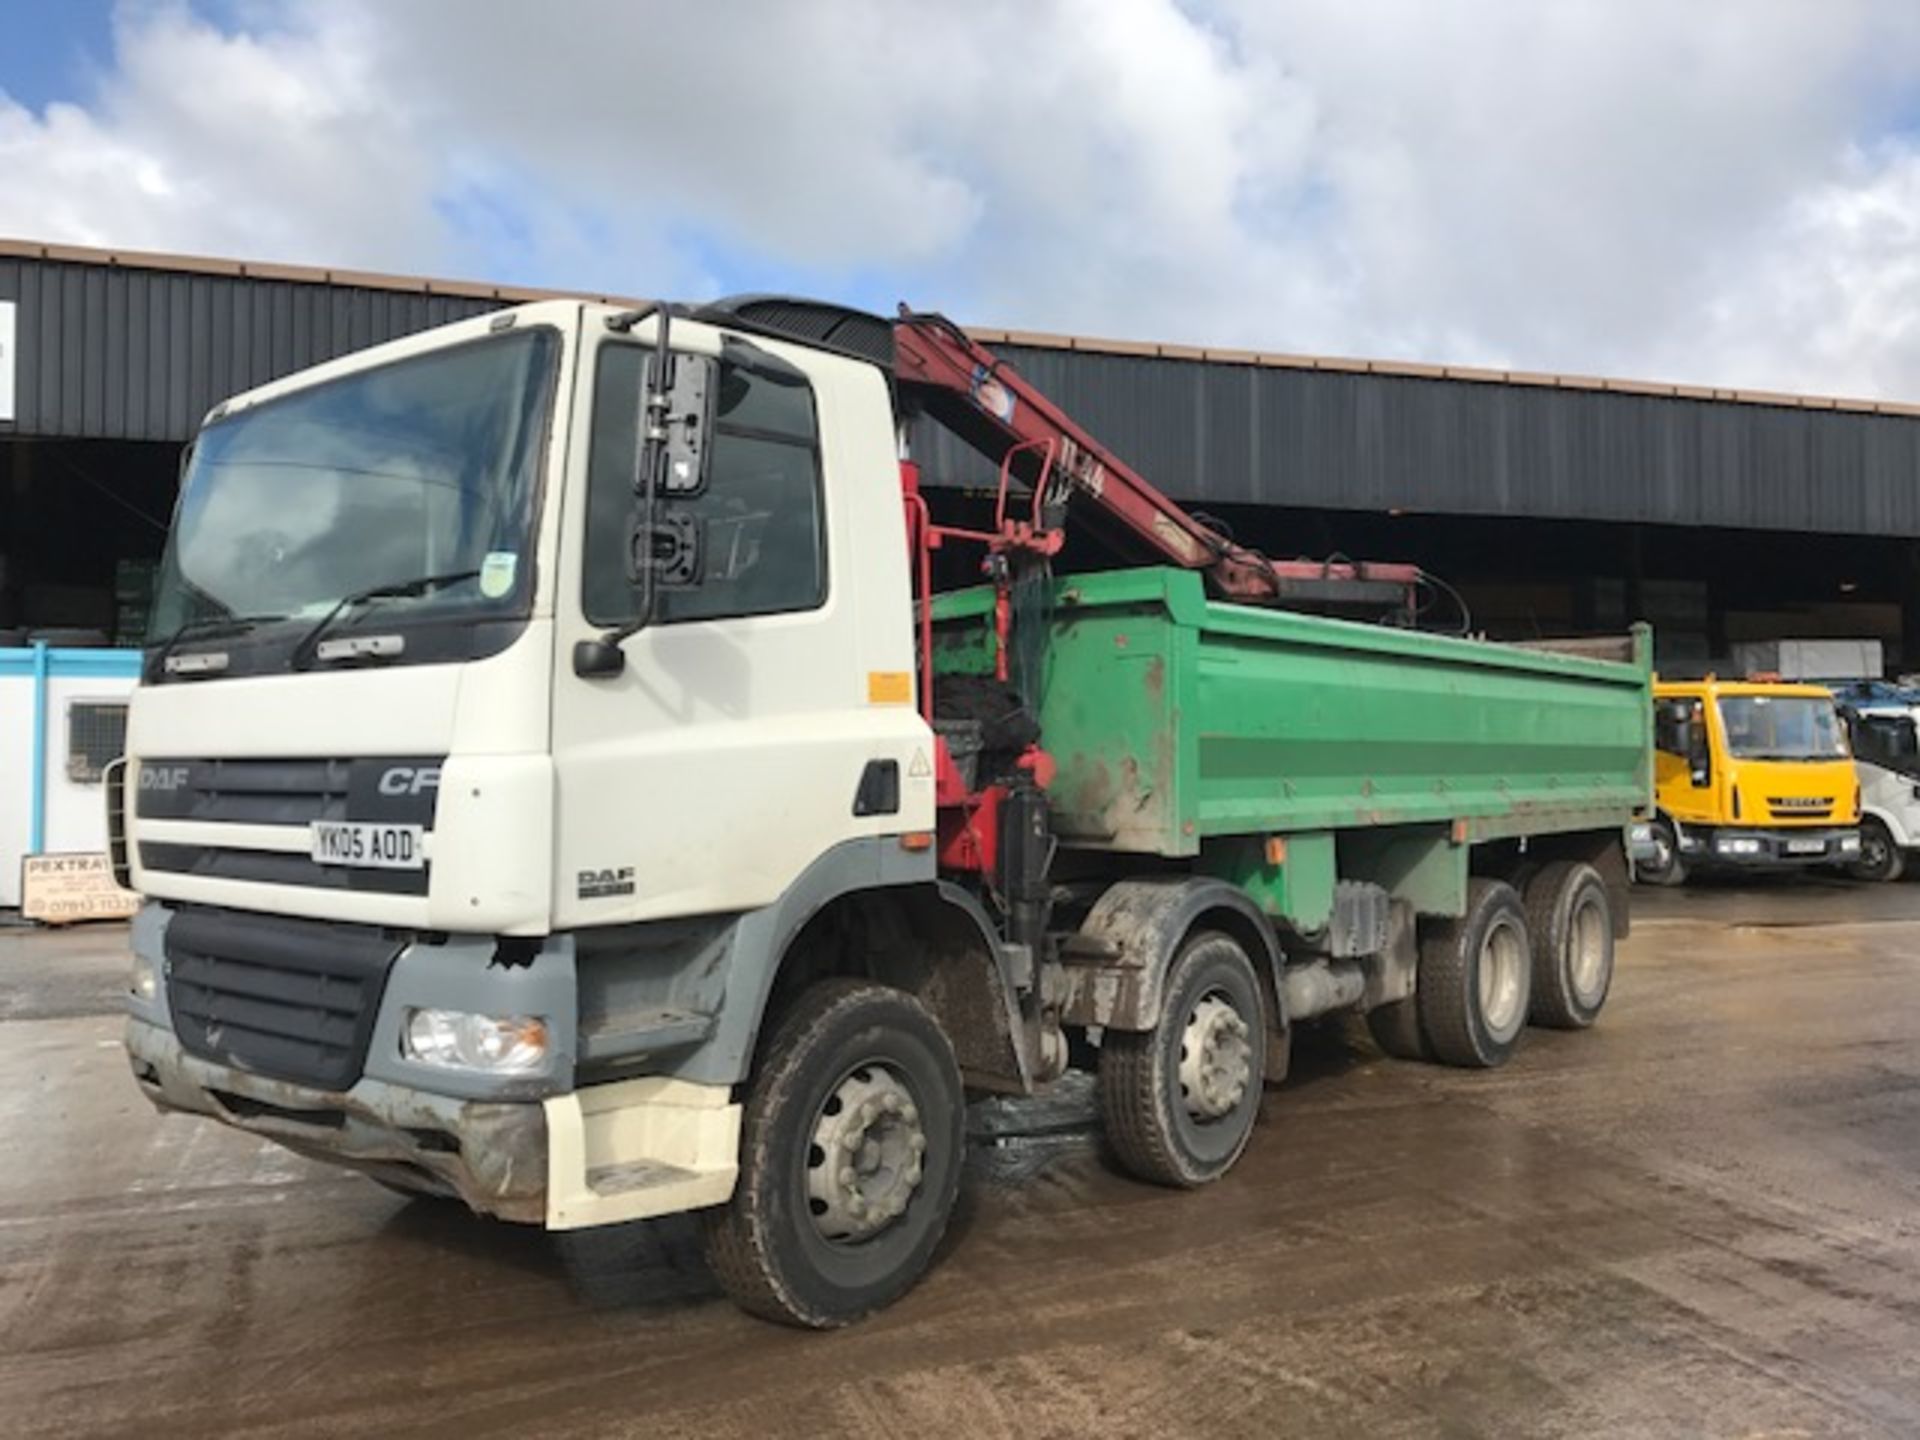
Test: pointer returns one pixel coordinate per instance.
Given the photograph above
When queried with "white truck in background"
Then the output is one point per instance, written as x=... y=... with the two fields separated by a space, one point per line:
x=1886 y=756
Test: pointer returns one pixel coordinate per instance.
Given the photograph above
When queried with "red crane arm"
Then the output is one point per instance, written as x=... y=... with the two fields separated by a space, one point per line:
x=990 y=406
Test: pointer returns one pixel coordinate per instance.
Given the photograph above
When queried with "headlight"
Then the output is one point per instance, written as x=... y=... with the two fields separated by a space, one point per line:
x=1849 y=842
x=144 y=982
x=1739 y=847
x=500 y=1045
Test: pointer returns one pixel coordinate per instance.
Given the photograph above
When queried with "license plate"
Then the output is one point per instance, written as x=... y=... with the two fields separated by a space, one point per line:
x=1806 y=847
x=367 y=845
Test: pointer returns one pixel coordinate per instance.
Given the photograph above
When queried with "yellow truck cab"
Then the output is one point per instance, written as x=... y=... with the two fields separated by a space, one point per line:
x=1749 y=774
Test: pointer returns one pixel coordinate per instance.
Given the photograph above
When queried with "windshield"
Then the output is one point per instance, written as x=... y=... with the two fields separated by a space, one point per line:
x=1775 y=727
x=424 y=467
x=1887 y=740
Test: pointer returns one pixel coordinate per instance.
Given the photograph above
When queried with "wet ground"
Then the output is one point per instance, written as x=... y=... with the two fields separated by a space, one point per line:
x=1701 y=1218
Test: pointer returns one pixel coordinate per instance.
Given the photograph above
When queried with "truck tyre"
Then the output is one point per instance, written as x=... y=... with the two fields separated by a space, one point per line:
x=851 y=1149
x=1880 y=859
x=1395 y=1028
x=1570 y=919
x=1666 y=867
x=1179 y=1100
x=1475 y=974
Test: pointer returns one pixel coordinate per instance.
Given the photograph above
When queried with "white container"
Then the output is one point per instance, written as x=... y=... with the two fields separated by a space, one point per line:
x=1811 y=659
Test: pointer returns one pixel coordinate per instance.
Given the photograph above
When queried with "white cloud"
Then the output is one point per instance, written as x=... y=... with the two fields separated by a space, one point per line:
x=1718 y=191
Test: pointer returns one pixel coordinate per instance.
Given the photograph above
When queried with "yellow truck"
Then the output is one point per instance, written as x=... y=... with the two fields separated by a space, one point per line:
x=1749 y=775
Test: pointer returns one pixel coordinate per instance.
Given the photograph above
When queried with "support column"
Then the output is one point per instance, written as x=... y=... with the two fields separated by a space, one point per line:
x=1906 y=656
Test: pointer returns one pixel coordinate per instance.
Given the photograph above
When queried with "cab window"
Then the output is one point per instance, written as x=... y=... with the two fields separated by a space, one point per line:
x=761 y=515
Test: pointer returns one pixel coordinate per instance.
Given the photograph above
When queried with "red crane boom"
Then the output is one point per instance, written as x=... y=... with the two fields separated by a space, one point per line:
x=990 y=406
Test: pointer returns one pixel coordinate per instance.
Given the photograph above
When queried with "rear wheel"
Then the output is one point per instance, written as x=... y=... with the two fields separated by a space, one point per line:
x=1570 y=920
x=1179 y=1101
x=1880 y=859
x=850 y=1159
x=1475 y=978
x=1664 y=866
x=1395 y=1028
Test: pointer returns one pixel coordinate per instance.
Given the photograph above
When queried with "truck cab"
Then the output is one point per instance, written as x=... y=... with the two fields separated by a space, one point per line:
x=1749 y=775
x=406 y=853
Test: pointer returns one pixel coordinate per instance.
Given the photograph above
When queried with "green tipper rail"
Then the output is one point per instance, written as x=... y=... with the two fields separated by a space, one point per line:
x=1175 y=718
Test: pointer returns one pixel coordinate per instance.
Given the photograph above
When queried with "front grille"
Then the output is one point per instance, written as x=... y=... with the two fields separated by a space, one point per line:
x=291 y=999
x=289 y=792
x=1800 y=807
x=293 y=793
x=279 y=867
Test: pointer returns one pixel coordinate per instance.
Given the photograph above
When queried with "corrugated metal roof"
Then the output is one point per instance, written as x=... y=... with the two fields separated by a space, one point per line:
x=1352 y=439
x=1031 y=340
x=127 y=345
x=987 y=335
x=294 y=274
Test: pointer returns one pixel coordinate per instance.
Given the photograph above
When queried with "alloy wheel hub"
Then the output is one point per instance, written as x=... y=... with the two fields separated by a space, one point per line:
x=1216 y=1060
x=867 y=1154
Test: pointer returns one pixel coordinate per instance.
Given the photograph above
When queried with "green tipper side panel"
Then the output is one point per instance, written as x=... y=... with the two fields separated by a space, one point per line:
x=1175 y=718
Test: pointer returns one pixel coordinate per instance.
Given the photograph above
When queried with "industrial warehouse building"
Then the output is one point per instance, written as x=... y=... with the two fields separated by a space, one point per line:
x=1554 y=503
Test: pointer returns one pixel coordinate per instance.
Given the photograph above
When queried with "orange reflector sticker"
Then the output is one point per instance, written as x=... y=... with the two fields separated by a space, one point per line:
x=1459 y=832
x=917 y=840
x=889 y=687
x=1276 y=850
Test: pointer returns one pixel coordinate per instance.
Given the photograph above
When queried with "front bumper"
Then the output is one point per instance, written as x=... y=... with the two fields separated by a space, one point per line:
x=493 y=1156
x=1781 y=849
x=534 y=1148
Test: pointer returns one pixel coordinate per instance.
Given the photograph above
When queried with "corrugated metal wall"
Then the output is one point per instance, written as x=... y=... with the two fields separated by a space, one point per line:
x=127 y=353
x=1220 y=433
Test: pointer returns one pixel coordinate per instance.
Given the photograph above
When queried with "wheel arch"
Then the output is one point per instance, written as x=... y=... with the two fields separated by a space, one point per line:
x=933 y=941
x=1117 y=962
x=1901 y=834
x=868 y=909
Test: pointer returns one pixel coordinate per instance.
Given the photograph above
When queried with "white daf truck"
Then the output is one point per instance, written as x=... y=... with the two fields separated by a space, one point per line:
x=556 y=787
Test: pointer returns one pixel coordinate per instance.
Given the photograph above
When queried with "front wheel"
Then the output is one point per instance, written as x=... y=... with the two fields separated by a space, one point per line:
x=850 y=1156
x=1666 y=866
x=1880 y=859
x=1179 y=1100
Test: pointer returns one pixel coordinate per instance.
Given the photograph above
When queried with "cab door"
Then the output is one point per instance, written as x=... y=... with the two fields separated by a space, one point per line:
x=726 y=754
x=1683 y=759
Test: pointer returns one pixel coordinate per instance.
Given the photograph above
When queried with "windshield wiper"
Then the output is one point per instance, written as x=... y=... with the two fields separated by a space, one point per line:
x=207 y=626
x=308 y=645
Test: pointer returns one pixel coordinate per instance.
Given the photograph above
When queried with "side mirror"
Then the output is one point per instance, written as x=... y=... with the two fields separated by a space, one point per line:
x=598 y=658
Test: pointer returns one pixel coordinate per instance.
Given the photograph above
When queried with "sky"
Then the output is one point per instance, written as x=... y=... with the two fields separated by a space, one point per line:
x=1723 y=191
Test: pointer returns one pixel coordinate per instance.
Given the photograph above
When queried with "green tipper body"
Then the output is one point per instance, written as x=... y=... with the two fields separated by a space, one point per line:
x=1181 y=723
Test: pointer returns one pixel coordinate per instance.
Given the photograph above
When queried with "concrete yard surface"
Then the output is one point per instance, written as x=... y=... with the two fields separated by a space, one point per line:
x=1700 y=1218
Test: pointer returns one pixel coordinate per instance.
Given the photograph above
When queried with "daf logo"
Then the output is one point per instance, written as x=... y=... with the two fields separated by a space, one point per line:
x=409 y=779
x=163 y=777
